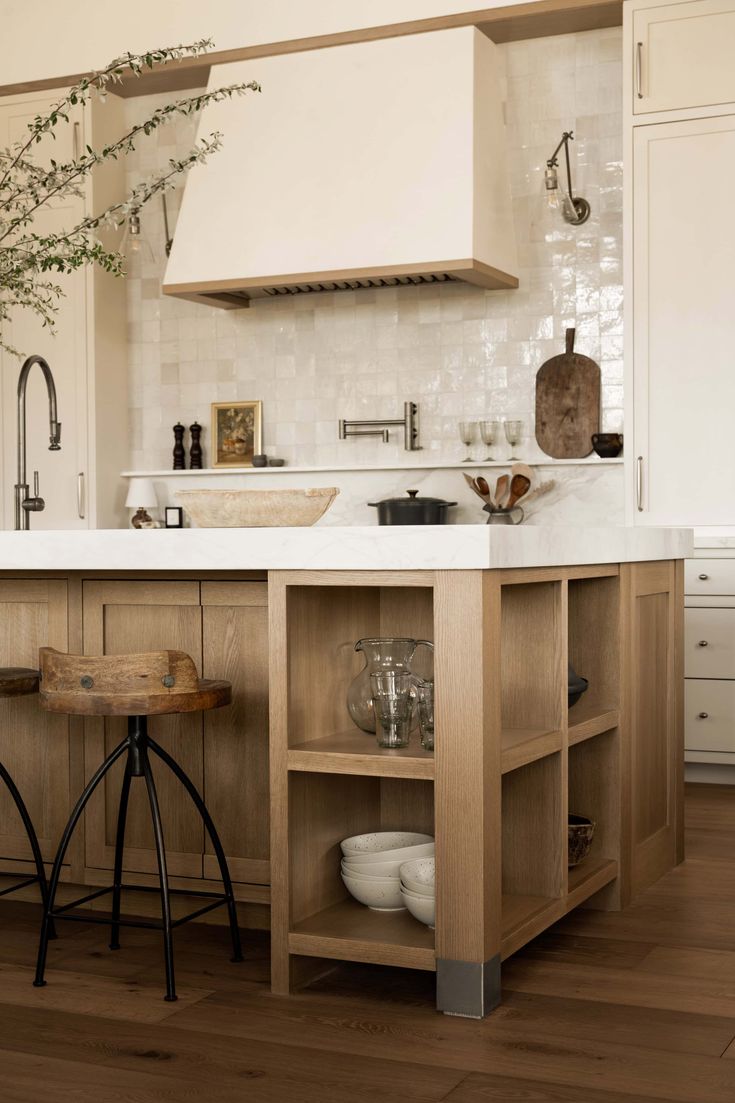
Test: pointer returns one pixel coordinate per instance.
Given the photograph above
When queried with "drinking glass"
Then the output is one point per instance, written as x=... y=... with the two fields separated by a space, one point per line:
x=425 y=695
x=514 y=435
x=489 y=431
x=393 y=700
x=467 y=433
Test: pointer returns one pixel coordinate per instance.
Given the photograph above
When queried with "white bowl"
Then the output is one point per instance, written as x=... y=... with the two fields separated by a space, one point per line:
x=422 y=908
x=372 y=869
x=235 y=509
x=380 y=845
x=380 y=894
x=419 y=876
x=366 y=874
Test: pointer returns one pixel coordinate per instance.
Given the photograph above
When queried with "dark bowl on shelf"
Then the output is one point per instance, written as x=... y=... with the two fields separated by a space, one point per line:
x=576 y=685
x=580 y=834
x=607 y=445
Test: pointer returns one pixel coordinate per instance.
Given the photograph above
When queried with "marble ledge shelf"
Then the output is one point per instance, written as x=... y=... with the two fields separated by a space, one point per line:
x=428 y=466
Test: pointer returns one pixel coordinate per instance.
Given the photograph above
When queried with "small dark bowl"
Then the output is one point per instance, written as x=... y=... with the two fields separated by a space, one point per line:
x=607 y=445
x=260 y=461
x=580 y=834
x=576 y=686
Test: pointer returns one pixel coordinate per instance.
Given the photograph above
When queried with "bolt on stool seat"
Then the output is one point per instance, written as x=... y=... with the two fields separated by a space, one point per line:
x=136 y=686
x=17 y=681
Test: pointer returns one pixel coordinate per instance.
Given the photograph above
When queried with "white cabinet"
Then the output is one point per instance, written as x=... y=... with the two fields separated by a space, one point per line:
x=683 y=55
x=86 y=353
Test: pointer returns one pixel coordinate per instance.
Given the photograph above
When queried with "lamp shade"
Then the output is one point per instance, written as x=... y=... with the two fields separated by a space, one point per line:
x=141 y=494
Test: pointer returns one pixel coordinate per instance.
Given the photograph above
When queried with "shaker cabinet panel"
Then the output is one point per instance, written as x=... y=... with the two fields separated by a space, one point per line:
x=684 y=55
x=683 y=322
x=127 y=617
x=709 y=639
x=34 y=745
x=235 y=635
x=710 y=716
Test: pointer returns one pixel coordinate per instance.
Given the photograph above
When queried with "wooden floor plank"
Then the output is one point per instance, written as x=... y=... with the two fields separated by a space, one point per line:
x=477 y=1088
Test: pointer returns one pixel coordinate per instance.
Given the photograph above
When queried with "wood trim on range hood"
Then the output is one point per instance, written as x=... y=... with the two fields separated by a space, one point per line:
x=231 y=294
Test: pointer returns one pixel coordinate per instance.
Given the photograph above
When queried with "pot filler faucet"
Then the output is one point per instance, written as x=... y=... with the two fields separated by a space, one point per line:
x=24 y=503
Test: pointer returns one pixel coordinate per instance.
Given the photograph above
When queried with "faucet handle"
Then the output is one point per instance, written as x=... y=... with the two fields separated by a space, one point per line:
x=35 y=504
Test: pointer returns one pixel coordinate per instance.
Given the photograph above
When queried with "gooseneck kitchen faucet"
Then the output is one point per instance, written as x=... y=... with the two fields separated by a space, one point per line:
x=26 y=504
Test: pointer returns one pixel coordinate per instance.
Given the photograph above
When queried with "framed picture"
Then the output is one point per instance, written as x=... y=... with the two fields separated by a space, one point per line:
x=237 y=433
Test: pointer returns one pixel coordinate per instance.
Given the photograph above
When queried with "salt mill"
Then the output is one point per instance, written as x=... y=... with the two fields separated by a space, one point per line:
x=179 y=453
x=195 y=452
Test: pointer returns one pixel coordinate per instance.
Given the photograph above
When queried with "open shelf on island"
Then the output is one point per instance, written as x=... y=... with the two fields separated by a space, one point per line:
x=589 y=718
x=357 y=752
x=523 y=745
x=524 y=917
x=349 y=931
x=588 y=878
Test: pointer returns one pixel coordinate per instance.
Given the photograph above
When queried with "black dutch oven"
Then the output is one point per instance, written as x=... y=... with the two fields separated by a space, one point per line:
x=412 y=510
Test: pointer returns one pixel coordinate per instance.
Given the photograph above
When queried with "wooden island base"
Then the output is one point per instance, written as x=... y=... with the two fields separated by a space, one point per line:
x=511 y=758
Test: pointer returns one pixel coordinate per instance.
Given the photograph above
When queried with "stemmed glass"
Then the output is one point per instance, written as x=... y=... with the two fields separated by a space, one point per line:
x=514 y=435
x=489 y=431
x=467 y=433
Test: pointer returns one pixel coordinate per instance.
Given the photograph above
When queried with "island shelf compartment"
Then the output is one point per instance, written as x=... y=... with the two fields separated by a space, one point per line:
x=324 y=920
x=594 y=652
x=594 y=792
x=324 y=624
x=532 y=672
x=533 y=850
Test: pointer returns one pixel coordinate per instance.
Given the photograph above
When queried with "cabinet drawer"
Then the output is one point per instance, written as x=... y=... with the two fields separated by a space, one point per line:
x=683 y=55
x=709 y=716
x=709 y=576
x=709 y=639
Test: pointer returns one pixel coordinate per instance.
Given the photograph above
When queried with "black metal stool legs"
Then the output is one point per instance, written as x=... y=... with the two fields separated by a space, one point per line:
x=60 y=855
x=216 y=843
x=168 y=945
x=122 y=816
x=30 y=831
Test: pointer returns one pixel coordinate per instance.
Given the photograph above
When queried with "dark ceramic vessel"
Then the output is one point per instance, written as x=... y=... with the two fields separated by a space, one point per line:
x=576 y=685
x=412 y=510
x=580 y=834
x=607 y=445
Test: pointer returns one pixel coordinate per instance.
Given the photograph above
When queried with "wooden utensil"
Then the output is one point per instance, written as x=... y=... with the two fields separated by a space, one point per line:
x=484 y=487
x=502 y=488
x=519 y=485
x=521 y=469
x=567 y=403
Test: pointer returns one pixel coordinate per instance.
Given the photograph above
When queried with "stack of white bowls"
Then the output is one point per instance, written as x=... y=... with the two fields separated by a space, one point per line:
x=418 y=889
x=371 y=865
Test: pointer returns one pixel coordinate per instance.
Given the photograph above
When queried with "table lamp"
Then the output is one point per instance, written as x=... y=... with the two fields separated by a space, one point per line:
x=141 y=496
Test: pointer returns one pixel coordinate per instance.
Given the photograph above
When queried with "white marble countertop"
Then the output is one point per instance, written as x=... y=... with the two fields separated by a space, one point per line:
x=411 y=547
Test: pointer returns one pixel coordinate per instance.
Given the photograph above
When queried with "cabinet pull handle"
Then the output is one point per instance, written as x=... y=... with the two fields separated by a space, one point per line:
x=639 y=70
x=75 y=140
x=703 y=577
x=702 y=643
x=81 y=495
x=703 y=716
x=639 y=484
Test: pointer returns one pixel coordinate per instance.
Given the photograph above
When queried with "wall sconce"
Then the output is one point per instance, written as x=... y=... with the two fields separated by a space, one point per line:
x=168 y=239
x=135 y=245
x=574 y=209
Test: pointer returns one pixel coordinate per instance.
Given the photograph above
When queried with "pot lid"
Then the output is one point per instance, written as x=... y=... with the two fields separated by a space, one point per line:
x=413 y=499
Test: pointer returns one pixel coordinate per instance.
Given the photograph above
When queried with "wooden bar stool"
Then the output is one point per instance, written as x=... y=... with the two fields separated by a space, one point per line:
x=17 y=681
x=136 y=686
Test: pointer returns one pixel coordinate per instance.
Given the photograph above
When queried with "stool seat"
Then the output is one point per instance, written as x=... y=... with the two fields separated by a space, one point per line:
x=150 y=684
x=17 y=681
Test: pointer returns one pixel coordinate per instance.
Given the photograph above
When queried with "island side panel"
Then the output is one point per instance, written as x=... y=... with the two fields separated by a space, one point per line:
x=652 y=722
x=468 y=791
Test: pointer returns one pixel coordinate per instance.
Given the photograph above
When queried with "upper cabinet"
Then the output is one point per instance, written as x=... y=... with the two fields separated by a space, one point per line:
x=86 y=350
x=358 y=165
x=683 y=55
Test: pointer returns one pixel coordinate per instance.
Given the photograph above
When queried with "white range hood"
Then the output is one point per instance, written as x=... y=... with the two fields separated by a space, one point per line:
x=371 y=164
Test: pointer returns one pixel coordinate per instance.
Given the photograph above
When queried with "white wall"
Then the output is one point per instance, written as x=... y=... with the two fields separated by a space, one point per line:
x=41 y=39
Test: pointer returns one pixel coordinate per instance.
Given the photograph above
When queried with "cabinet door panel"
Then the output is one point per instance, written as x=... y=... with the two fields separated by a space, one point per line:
x=128 y=617
x=652 y=729
x=683 y=320
x=236 y=738
x=686 y=55
x=710 y=716
x=34 y=745
x=710 y=643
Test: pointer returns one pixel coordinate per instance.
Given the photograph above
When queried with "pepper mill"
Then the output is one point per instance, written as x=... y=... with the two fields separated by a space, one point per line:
x=195 y=452
x=179 y=453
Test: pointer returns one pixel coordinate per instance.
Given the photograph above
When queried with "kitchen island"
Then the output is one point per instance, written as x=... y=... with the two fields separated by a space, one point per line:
x=277 y=612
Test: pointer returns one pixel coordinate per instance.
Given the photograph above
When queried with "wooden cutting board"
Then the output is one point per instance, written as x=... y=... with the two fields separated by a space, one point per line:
x=567 y=404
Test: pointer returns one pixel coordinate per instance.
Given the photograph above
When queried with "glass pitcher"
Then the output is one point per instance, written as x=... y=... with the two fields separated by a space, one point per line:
x=381 y=654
